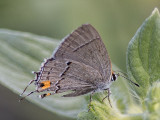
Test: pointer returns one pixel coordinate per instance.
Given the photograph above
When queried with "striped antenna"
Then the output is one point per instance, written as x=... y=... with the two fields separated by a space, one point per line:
x=126 y=77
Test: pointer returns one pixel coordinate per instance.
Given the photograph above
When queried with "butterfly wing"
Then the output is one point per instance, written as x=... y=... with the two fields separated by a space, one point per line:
x=84 y=45
x=80 y=64
x=66 y=74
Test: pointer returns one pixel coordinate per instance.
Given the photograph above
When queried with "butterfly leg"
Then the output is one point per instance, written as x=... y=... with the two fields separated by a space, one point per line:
x=90 y=100
x=108 y=96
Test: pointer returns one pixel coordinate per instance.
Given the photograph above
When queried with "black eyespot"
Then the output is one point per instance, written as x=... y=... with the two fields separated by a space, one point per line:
x=42 y=84
x=68 y=63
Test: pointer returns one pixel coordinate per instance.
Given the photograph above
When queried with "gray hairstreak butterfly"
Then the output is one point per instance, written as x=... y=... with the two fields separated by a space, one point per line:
x=80 y=64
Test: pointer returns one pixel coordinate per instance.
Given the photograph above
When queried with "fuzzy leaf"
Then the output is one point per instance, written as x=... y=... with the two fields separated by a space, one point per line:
x=21 y=53
x=153 y=102
x=143 y=54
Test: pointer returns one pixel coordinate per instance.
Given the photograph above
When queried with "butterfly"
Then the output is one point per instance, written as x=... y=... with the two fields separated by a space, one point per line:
x=80 y=64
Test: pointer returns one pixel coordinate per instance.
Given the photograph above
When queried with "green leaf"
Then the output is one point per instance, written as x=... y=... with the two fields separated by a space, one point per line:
x=153 y=102
x=21 y=53
x=143 y=54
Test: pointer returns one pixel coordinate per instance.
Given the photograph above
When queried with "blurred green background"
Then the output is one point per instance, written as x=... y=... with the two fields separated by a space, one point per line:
x=115 y=20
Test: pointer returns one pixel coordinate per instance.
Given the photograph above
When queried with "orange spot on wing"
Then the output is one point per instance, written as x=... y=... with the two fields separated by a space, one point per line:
x=48 y=94
x=46 y=84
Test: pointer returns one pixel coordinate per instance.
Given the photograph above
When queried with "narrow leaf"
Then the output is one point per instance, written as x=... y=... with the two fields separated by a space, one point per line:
x=21 y=53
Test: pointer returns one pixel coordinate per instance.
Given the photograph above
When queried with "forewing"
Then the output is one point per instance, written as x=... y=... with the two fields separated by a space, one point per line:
x=67 y=75
x=84 y=45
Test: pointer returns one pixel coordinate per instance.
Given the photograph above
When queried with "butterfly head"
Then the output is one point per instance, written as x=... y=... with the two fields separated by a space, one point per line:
x=114 y=77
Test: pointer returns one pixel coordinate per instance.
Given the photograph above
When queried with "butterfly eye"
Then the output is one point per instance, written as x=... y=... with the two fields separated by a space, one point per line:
x=114 y=77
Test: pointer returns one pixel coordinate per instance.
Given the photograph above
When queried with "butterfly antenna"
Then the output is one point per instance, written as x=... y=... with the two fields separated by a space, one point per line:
x=122 y=73
x=127 y=78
